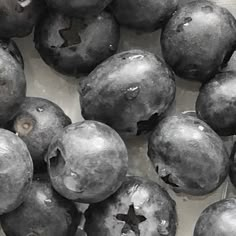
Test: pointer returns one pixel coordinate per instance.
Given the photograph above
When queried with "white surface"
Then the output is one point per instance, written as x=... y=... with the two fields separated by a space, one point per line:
x=45 y=82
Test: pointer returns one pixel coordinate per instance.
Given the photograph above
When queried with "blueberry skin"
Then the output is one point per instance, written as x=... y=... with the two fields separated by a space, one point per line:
x=216 y=103
x=199 y=40
x=10 y=46
x=219 y=219
x=188 y=155
x=43 y=213
x=148 y=199
x=74 y=47
x=80 y=9
x=16 y=171
x=146 y=15
x=87 y=162
x=37 y=121
x=232 y=172
x=18 y=17
x=130 y=91
x=12 y=86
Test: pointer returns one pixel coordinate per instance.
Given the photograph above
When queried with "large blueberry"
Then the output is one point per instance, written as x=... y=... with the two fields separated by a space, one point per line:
x=87 y=162
x=18 y=17
x=139 y=208
x=147 y=15
x=188 y=155
x=76 y=46
x=79 y=8
x=129 y=91
x=16 y=171
x=219 y=219
x=216 y=103
x=12 y=85
x=199 y=40
x=37 y=121
x=43 y=213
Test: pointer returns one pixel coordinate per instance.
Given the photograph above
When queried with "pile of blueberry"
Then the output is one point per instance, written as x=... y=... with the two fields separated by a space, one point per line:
x=47 y=164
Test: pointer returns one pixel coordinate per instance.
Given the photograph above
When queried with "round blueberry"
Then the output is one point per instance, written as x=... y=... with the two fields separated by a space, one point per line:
x=130 y=92
x=18 y=17
x=219 y=219
x=43 y=213
x=37 y=121
x=76 y=46
x=16 y=171
x=199 y=40
x=188 y=155
x=12 y=85
x=140 y=207
x=87 y=162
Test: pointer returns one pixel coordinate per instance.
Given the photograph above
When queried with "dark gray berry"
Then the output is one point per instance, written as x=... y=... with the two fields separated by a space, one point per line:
x=87 y=162
x=37 y=121
x=139 y=208
x=219 y=219
x=43 y=213
x=16 y=171
x=18 y=17
x=199 y=40
x=130 y=92
x=216 y=103
x=76 y=46
x=188 y=155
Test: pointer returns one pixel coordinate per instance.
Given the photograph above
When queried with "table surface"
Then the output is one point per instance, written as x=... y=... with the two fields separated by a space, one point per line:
x=45 y=82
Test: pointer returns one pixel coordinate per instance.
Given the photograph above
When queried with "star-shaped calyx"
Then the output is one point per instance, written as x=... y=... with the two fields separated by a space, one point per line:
x=131 y=220
x=70 y=34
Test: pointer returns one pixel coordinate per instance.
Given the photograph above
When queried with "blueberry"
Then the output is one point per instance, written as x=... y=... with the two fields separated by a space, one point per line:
x=199 y=40
x=130 y=91
x=147 y=15
x=232 y=171
x=219 y=219
x=37 y=121
x=139 y=208
x=80 y=9
x=87 y=162
x=18 y=17
x=12 y=85
x=16 y=171
x=188 y=155
x=43 y=213
x=76 y=46
x=216 y=103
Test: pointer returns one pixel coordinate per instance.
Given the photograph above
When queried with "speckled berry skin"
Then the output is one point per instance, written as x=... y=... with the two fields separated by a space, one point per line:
x=73 y=46
x=188 y=155
x=79 y=9
x=216 y=103
x=149 y=201
x=199 y=40
x=18 y=17
x=43 y=213
x=37 y=121
x=12 y=85
x=145 y=15
x=16 y=171
x=87 y=162
x=130 y=91
x=219 y=219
